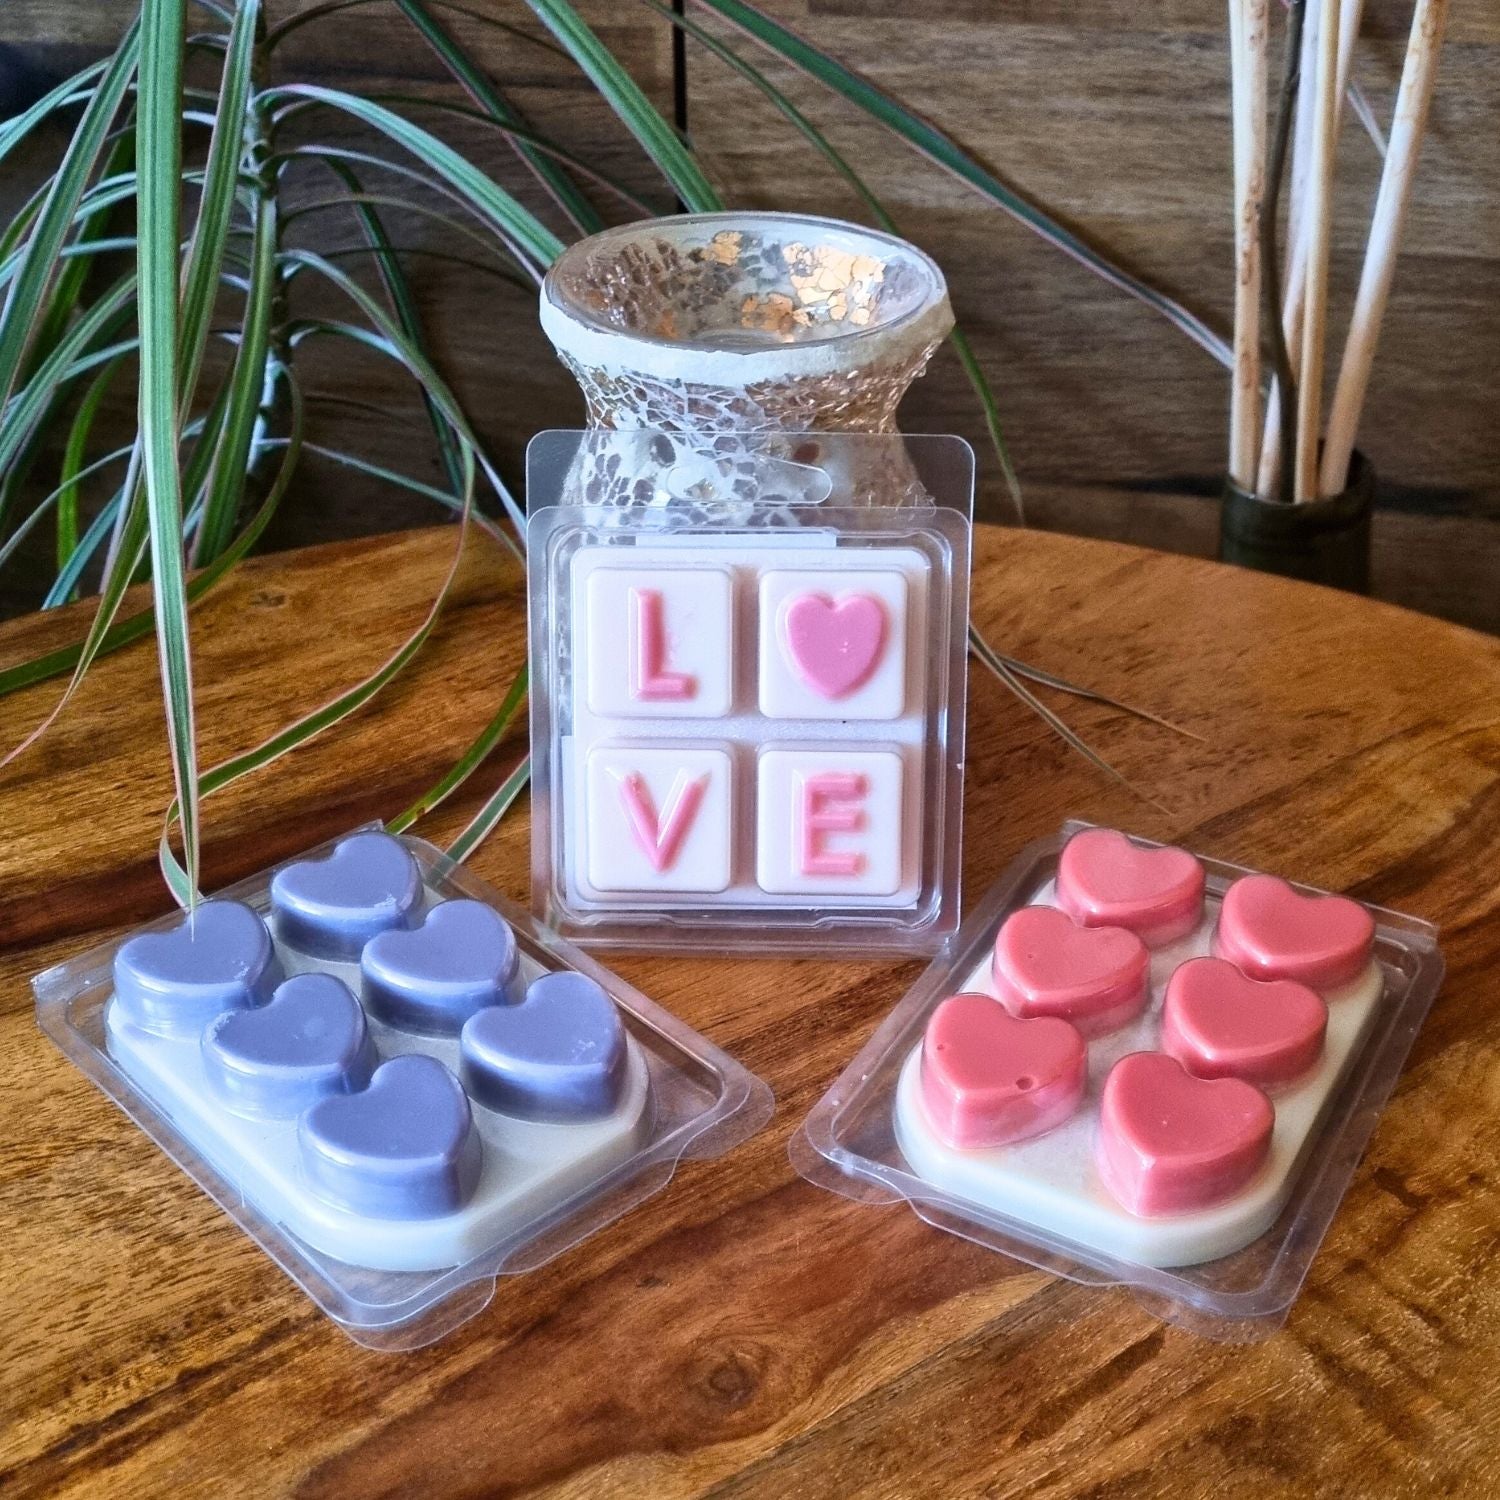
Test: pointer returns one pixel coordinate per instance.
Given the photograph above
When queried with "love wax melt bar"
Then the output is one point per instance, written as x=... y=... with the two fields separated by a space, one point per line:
x=746 y=729
x=1191 y=1143
x=830 y=639
x=399 y=1118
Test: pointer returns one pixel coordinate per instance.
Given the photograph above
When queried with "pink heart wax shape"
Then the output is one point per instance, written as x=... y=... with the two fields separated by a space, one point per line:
x=1045 y=964
x=1105 y=880
x=1220 y=1024
x=1170 y=1143
x=989 y=1078
x=1271 y=931
x=834 y=646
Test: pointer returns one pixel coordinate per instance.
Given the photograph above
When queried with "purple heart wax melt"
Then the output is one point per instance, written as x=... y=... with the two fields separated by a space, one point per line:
x=431 y=980
x=275 y=1061
x=405 y=1148
x=331 y=907
x=218 y=957
x=557 y=1056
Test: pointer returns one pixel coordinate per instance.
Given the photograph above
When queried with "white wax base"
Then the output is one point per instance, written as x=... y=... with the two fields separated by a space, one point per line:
x=1052 y=1184
x=529 y=1168
x=887 y=713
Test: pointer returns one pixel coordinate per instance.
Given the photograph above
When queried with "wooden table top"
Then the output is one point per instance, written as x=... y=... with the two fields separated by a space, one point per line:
x=744 y=1333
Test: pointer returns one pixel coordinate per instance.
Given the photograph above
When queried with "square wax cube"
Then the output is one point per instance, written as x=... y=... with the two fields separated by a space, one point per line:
x=659 y=818
x=831 y=823
x=833 y=643
x=660 y=642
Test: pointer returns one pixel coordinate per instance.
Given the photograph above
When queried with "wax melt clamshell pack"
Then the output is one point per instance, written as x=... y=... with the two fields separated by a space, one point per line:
x=747 y=689
x=1114 y=1077
x=393 y=1079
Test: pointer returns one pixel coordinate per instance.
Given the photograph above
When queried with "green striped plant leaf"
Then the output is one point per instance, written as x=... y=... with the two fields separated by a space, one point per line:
x=39 y=511
x=542 y=145
x=470 y=761
x=246 y=391
x=221 y=178
x=25 y=300
x=940 y=148
x=105 y=635
x=563 y=190
x=404 y=306
x=508 y=216
x=449 y=500
x=73 y=467
x=635 y=111
x=70 y=91
x=180 y=878
x=66 y=362
x=159 y=104
x=385 y=334
x=488 y=817
x=278 y=33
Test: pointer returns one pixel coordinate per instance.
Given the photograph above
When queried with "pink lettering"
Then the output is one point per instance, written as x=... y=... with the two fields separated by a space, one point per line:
x=660 y=839
x=831 y=804
x=650 y=677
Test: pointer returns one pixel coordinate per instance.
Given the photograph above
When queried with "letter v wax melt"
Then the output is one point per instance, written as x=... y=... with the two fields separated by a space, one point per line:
x=748 y=689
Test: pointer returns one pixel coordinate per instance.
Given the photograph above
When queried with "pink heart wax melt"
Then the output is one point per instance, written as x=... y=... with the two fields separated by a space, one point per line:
x=1271 y=931
x=989 y=1078
x=1219 y=1024
x=1045 y=964
x=1170 y=1143
x=834 y=644
x=1106 y=880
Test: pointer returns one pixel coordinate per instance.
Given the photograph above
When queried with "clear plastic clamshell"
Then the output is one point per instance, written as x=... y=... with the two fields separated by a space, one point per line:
x=748 y=656
x=396 y=1081
x=1229 y=1267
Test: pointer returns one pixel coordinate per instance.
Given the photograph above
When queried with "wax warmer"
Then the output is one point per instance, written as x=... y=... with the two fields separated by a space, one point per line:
x=748 y=595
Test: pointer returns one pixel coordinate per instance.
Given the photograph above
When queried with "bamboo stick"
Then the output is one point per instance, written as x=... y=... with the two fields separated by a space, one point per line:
x=1418 y=74
x=1247 y=31
x=1350 y=15
x=1302 y=126
x=1317 y=218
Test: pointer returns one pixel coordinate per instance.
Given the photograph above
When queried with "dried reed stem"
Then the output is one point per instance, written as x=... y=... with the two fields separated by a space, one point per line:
x=1247 y=50
x=1317 y=216
x=1296 y=271
x=1407 y=128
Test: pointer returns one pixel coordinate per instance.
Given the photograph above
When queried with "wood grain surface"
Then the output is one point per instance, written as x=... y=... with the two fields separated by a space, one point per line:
x=743 y=1333
x=1113 y=114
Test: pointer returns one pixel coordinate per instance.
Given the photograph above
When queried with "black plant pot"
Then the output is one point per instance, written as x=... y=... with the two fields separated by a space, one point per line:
x=1323 y=541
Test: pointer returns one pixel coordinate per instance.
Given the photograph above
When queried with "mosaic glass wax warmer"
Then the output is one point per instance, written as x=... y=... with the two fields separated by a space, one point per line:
x=749 y=596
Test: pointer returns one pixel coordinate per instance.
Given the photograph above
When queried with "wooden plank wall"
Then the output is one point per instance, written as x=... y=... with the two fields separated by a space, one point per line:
x=1113 y=114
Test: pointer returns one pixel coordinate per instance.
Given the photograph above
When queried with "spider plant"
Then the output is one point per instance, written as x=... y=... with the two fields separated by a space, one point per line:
x=195 y=141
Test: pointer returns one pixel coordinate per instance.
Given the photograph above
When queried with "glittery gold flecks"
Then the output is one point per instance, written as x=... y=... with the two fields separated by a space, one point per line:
x=756 y=288
x=724 y=247
x=774 y=313
x=743 y=286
